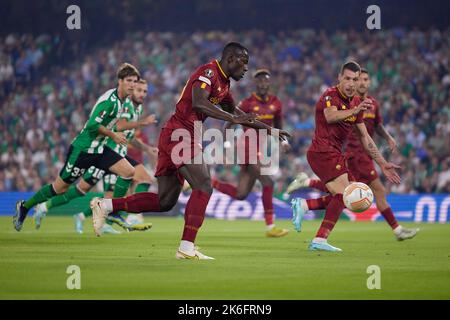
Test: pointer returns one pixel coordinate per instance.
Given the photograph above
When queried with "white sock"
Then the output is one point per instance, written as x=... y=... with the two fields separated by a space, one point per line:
x=45 y=206
x=270 y=226
x=398 y=230
x=320 y=240
x=107 y=205
x=81 y=216
x=304 y=205
x=187 y=247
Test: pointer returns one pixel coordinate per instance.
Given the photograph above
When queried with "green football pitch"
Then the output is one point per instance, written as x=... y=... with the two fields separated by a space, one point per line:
x=141 y=265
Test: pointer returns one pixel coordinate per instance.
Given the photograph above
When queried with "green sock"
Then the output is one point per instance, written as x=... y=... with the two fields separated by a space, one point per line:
x=61 y=199
x=88 y=212
x=121 y=187
x=142 y=187
x=45 y=193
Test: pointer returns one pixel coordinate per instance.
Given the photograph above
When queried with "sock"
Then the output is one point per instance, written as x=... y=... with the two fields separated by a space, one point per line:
x=45 y=193
x=224 y=188
x=136 y=203
x=318 y=204
x=121 y=187
x=87 y=212
x=332 y=214
x=72 y=193
x=187 y=247
x=142 y=187
x=389 y=217
x=267 y=195
x=194 y=214
x=317 y=184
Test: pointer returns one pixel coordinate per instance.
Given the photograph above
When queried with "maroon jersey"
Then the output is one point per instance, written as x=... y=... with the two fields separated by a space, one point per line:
x=267 y=110
x=372 y=119
x=330 y=137
x=209 y=77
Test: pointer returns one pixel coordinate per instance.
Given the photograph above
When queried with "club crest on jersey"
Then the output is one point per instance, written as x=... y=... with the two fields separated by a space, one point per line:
x=327 y=98
x=209 y=73
x=102 y=114
x=272 y=107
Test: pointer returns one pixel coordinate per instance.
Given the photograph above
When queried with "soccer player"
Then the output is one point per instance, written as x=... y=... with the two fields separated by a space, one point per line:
x=268 y=108
x=129 y=118
x=361 y=165
x=206 y=94
x=337 y=113
x=88 y=148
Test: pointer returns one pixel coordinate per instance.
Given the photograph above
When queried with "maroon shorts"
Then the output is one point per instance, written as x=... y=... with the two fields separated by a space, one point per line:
x=327 y=165
x=362 y=167
x=174 y=154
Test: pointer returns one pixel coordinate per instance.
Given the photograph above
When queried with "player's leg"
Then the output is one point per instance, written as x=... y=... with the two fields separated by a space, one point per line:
x=246 y=180
x=199 y=178
x=141 y=178
x=74 y=167
x=303 y=181
x=383 y=206
x=267 y=200
x=125 y=172
x=74 y=191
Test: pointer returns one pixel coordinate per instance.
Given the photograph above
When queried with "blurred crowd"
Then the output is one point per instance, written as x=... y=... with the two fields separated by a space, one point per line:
x=410 y=72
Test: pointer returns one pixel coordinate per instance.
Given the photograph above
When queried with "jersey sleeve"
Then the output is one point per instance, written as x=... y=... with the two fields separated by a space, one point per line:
x=378 y=117
x=101 y=110
x=204 y=79
x=279 y=113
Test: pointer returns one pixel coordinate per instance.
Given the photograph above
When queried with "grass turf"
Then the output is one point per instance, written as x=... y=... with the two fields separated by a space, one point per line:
x=141 y=265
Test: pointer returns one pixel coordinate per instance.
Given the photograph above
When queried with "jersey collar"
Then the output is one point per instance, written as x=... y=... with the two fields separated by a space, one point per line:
x=259 y=98
x=221 y=70
x=342 y=95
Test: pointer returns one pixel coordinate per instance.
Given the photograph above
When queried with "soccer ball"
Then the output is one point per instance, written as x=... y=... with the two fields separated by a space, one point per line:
x=358 y=196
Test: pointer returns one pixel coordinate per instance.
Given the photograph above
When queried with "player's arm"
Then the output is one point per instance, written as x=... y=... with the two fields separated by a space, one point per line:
x=201 y=103
x=124 y=124
x=278 y=124
x=370 y=147
x=140 y=145
x=333 y=115
x=381 y=130
x=95 y=122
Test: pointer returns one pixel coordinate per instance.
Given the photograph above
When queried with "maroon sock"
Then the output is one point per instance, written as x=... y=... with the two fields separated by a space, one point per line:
x=224 y=188
x=389 y=217
x=194 y=214
x=318 y=184
x=267 y=196
x=332 y=214
x=136 y=203
x=320 y=203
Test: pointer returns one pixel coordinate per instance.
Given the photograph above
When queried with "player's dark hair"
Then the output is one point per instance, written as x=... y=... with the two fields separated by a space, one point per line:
x=142 y=81
x=127 y=70
x=350 y=65
x=232 y=48
x=364 y=70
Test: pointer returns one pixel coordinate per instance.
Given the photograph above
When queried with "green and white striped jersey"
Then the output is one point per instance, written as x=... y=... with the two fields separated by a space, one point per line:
x=131 y=114
x=106 y=112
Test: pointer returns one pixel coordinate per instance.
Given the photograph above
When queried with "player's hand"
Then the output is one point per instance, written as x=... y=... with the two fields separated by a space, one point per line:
x=119 y=138
x=389 y=171
x=285 y=146
x=365 y=105
x=151 y=119
x=153 y=151
x=392 y=145
x=284 y=135
x=244 y=118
